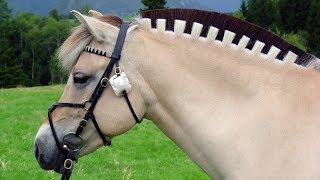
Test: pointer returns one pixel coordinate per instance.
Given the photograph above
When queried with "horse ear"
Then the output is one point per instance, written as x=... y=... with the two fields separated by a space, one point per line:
x=95 y=14
x=100 y=30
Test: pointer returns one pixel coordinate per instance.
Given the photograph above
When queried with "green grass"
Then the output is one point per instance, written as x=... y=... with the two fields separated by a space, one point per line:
x=142 y=153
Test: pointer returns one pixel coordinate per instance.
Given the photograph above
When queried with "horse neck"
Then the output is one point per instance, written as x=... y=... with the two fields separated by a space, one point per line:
x=195 y=84
x=181 y=71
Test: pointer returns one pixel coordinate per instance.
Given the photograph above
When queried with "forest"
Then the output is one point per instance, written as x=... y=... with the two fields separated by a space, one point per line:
x=29 y=42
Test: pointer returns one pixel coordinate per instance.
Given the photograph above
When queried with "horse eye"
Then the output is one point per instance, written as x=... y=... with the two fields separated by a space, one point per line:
x=80 y=78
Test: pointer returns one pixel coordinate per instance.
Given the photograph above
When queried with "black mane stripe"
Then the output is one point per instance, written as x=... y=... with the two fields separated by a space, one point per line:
x=225 y=22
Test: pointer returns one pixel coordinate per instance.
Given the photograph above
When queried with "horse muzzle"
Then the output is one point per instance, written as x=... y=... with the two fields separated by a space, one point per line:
x=51 y=158
x=46 y=155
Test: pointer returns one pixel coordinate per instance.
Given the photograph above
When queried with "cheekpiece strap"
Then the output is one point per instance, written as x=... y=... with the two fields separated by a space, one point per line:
x=116 y=54
x=115 y=57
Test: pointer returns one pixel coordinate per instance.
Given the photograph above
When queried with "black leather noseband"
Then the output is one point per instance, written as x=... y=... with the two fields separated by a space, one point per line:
x=72 y=142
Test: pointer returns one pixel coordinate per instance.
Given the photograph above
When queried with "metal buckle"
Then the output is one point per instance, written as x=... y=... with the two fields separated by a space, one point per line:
x=68 y=166
x=104 y=82
x=87 y=105
x=117 y=70
x=83 y=123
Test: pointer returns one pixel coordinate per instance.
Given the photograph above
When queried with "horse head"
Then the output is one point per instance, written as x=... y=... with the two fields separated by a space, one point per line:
x=84 y=105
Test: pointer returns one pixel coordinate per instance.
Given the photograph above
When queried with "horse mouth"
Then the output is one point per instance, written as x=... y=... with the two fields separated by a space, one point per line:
x=54 y=162
x=59 y=165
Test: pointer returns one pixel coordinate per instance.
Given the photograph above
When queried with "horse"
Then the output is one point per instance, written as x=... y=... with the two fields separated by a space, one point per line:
x=238 y=100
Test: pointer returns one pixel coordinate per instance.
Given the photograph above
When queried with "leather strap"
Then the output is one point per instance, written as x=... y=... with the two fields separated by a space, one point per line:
x=115 y=57
x=131 y=108
x=54 y=133
x=68 y=164
x=105 y=141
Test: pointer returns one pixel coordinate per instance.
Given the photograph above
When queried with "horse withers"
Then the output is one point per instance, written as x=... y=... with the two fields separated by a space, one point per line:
x=240 y=101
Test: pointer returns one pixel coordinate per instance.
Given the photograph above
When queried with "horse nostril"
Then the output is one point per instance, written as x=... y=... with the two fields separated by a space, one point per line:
x=36 y=150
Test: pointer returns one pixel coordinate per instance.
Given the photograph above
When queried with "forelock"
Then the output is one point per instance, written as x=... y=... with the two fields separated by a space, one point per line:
x=80 y=37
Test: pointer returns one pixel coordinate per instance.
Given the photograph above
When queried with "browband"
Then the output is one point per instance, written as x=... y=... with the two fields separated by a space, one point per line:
x=98 y=51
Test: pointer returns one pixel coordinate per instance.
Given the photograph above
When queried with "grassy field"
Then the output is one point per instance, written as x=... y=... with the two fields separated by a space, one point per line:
x=142 y=153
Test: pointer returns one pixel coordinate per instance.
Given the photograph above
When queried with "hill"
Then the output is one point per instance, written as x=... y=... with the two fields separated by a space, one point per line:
x=119 y=7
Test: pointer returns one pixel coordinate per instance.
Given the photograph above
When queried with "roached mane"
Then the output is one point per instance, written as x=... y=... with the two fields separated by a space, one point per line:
x=81 y=37
x=225 y=22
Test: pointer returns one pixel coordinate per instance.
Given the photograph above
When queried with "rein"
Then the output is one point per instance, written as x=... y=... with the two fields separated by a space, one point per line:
x=72 y=141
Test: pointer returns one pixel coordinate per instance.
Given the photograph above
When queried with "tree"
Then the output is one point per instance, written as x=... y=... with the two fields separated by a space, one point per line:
x=153 y=4
x=57 y=75
x=25 y=53
x=33 y=43
x=11 y=76
x=294 y=14
x=297 y=39
x=54 y=33
x=313 y=28
x=28 y=43
x=5 y=49
x=263 y=13
x=54 y=14
x=5 y=11
x=11 y=54
x=244 y=8
x=85 y=9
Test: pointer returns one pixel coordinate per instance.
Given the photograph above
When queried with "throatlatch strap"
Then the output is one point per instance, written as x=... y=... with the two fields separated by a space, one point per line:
x=105 y=141
x=131 y=108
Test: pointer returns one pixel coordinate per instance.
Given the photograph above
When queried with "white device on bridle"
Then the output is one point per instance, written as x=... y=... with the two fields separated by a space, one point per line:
x=120 y=83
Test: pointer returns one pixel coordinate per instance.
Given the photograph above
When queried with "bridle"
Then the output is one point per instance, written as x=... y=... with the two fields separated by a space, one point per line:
x=72 y=141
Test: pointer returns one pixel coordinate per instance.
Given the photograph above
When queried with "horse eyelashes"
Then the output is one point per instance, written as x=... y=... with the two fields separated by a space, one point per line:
x=80 y=78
